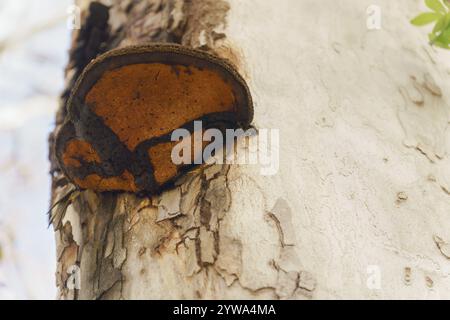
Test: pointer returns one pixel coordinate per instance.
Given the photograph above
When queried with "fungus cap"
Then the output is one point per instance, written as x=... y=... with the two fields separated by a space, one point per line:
x=127 y=102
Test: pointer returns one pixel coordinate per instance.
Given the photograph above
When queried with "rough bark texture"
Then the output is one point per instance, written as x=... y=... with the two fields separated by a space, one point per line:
x=363 y=188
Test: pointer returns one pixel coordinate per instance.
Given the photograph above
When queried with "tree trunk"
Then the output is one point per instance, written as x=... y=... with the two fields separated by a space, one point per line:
x=359 y=207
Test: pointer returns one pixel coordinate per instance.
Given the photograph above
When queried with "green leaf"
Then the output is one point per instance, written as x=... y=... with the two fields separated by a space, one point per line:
x=425 y=18
x=443 y=40
x=440 y=24
x=446 y=35
x=432 y=37
x=447 y=3
x=447 y=20
x=435 y=5
x=441 y=45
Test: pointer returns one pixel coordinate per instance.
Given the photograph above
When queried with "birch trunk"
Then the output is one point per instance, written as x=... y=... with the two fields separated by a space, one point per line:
x=360 y=204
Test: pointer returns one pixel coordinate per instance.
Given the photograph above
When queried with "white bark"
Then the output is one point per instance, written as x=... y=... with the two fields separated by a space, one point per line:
x=360 y=206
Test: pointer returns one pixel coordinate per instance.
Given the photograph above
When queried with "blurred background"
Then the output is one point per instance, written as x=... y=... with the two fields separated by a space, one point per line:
x=34 y=40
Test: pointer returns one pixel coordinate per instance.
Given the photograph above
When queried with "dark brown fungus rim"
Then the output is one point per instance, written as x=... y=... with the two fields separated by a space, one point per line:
x=145 y=54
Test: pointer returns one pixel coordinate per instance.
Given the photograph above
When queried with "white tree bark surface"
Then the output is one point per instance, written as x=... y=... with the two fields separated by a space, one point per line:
x=360 y=206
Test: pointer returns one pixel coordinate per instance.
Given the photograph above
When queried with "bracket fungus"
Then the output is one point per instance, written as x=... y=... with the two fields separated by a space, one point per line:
x=126 y=104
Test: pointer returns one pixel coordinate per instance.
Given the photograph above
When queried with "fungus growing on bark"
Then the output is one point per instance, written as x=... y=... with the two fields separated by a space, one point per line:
x=126 y=104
